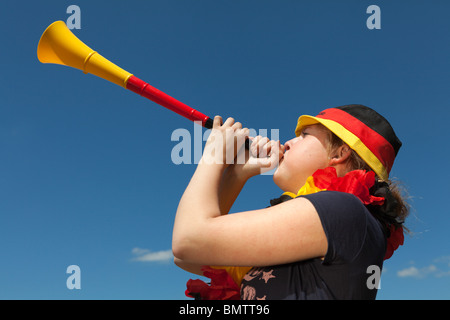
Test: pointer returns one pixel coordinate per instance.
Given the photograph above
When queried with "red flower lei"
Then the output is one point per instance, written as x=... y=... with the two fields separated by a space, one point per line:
x=222 y=286
x=356 y=182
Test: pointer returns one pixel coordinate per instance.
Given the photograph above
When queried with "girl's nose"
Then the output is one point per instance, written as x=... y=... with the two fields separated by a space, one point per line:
x=288 y=144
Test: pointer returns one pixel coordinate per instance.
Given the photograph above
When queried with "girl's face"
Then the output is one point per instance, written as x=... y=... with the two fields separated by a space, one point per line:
x=303 y=155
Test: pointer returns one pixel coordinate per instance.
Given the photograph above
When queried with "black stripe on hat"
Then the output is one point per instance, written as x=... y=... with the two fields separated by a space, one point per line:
x=375 y=121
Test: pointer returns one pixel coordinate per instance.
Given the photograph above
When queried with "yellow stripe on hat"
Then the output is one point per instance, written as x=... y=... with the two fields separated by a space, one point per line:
x=349 y=138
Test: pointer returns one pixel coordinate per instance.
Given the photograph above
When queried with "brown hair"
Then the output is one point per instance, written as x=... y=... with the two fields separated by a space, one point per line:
x=395 y=209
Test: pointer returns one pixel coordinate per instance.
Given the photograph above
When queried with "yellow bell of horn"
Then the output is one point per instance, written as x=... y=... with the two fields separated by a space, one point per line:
x=59 y=45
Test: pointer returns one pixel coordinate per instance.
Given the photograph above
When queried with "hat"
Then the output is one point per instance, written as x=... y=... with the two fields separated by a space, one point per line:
x=364 y=130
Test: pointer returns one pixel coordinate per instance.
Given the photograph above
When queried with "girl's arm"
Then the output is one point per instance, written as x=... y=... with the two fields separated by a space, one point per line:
x=189 y=267
x=230 y=186
x=232 y=181
x=288 y=232
x=246 y=165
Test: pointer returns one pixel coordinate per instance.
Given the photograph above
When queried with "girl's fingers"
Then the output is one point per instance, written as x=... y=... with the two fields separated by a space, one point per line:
x=265 y=149
x=229 y=122
x=261 y=146
x=244 y=132
x=274 y=152
x=217 y=121
x=272 y=147
x=237 y=125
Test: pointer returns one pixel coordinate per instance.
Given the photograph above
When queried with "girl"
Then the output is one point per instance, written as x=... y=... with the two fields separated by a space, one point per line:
x=343 y=217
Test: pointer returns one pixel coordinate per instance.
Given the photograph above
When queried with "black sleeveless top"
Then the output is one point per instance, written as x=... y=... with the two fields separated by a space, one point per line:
x=356 y=247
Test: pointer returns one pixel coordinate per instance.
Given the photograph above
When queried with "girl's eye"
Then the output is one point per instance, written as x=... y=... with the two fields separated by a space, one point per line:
x=304 y=133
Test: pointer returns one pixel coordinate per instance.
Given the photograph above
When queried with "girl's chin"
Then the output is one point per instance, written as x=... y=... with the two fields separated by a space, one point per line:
x=284 y=183
x=278 y=179
x=275 y=177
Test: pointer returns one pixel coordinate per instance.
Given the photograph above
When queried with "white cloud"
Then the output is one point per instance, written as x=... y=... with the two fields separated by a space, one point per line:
x=440 y=267
x=443 y=259
x=420 y=273
x=441 y=274
x=408 y=272
x=145 y=255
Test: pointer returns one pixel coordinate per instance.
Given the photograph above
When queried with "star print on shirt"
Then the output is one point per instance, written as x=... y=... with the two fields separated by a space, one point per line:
x=248 y=292
x=267 y=275
x=258 y=272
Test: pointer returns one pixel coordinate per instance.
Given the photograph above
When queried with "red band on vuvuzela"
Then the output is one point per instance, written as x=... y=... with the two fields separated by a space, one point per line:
x=144 y=89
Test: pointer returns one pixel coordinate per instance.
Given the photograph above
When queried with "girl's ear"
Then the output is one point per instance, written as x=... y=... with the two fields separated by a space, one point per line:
x=341 y=155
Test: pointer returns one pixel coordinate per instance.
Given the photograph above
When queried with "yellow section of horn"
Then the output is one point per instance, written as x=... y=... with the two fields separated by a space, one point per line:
x=59 y=45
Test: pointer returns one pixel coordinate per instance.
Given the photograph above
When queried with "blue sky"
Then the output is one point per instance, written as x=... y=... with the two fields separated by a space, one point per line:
x=87 y=177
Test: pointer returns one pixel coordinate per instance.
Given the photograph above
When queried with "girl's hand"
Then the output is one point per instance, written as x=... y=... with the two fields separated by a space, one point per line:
x=225 y=146
x=264 y=155
x=224 y=142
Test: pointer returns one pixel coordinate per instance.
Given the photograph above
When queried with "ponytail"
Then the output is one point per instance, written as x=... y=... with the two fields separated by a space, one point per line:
x=393 y=212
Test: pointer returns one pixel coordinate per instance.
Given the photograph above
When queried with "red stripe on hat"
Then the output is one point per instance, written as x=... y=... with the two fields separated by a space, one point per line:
x=375 y=142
